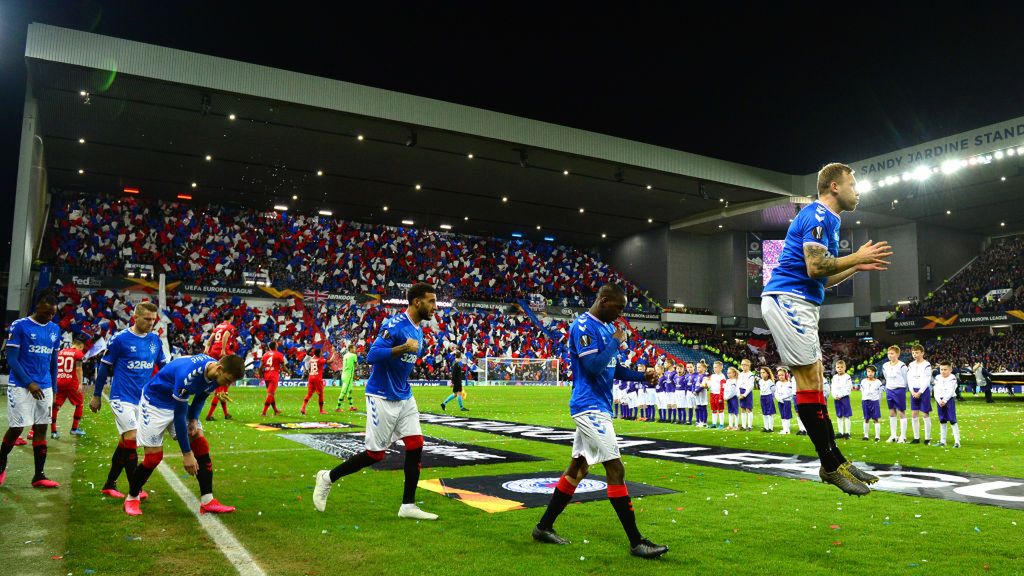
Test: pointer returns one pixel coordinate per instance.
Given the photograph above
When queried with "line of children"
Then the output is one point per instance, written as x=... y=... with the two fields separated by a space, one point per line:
x=684 y=392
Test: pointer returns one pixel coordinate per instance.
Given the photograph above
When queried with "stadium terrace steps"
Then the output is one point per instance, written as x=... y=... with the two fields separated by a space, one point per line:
x=685 y=353
x=525 y=305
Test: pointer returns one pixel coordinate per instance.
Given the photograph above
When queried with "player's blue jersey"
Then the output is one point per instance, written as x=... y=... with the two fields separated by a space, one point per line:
x=592 y=391
x=815 y=224
x=178 y=381
x=38 y=345
x=389 y=377
x=132 y=358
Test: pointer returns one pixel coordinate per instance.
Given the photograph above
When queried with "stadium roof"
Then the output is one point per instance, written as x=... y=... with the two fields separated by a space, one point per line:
x=149 y=116
x=115 y=113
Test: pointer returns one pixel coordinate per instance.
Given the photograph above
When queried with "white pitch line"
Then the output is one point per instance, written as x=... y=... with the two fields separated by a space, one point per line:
x=232 y=549
x=261 y=451
x=226 y=541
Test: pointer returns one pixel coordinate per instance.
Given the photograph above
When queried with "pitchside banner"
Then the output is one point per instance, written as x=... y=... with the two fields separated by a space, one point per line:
x=956 y=321
x=149 y=285
x=572 y=312
x=954 y=486
x=519 y=491
x=437 y=453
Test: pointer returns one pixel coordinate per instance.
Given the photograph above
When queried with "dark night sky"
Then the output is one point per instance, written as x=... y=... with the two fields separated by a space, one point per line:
x=782 y=88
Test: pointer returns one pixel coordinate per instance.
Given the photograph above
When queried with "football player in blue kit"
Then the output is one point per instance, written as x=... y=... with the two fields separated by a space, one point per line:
x=391 y=409
x=32 y=349
x=790 y=306
x=594 y=342
x=164 y=407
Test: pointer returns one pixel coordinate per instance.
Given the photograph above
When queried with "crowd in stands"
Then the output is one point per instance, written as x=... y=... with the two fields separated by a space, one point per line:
x=761 y=350
x=1000 y=352
x=214 y=245
x=999 y=267
x=478 y=333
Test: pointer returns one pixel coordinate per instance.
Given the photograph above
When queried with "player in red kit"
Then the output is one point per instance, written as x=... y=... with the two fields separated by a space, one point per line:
x=271 y=365
x=315 y=379
x=221 y=343
x=69 y=386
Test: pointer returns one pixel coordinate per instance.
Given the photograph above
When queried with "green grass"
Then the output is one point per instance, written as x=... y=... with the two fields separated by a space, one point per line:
x=773 y=526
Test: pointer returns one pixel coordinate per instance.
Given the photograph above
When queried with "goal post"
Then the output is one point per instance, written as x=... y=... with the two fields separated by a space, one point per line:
x=504 y=371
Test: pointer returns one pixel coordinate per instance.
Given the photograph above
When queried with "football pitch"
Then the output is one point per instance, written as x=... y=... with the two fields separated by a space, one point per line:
x=717 y=520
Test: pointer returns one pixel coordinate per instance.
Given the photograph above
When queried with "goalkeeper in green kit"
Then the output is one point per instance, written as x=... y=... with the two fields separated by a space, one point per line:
x=348 y=375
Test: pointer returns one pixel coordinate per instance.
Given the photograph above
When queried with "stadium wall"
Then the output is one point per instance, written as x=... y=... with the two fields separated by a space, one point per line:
x=709 y=271
x=643 y=258
x=29 y=210
x=945 y=251
x=902 y=281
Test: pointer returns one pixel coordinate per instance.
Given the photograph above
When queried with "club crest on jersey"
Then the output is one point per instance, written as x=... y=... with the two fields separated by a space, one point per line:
x=132 y=348
x=53 y=337
x=152 y=348
x=585 y=340
x=818 y=232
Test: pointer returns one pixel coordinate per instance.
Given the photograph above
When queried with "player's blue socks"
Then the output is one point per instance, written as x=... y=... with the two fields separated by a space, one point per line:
x=691 y=415
x=459 y=398
x=449 y=399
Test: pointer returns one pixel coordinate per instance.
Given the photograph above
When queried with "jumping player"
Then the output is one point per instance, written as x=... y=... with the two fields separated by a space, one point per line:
x=790 y=303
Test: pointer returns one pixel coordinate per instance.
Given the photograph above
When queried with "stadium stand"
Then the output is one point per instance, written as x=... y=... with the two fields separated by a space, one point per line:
x=213 y=245
x=999 y=267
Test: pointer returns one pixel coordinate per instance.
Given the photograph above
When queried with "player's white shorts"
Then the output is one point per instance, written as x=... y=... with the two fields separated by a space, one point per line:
x=595 y=438
x=684 y=399
x=390 y=420
x=794 y=325
x=652 y=397
x=153 y=422
x=701 y=398
x=631 y=399
x=23 y=410
x=662 y=398
x=616 y=394
x=126 y=415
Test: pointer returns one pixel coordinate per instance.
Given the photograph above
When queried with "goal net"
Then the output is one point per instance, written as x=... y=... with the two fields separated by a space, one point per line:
x=520 y=372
